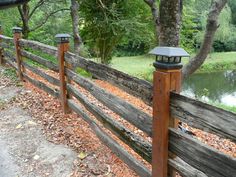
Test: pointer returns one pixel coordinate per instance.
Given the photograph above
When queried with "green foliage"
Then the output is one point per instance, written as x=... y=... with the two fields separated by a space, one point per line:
x=107 y=22
x=225 y=107
x=83 y=72
x=218 y=66
x=189 y=28
x=142 y=66
x=232 y=5
x=10 y=73
x=225 y=36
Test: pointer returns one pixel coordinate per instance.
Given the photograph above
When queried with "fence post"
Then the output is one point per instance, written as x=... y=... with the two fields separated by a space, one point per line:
x=1 y=49
x=17 y=36
x=166 y=78
x=63 y=46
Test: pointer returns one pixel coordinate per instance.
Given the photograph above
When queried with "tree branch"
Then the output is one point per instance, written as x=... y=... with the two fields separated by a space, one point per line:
x=46 y=19
x=39 y=4
x=211 y=27
x=154 y=10
x=21 y=12
x=75 y=25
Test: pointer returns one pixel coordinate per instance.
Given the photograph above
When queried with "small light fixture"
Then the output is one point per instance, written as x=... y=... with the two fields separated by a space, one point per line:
x=62 y=38
x=17 y=30
x=168 y=57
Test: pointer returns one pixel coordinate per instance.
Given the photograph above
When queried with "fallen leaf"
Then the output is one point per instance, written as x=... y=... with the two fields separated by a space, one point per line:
x=31 y=123
x=19 y=126
x=36 y=157
x=82 y=155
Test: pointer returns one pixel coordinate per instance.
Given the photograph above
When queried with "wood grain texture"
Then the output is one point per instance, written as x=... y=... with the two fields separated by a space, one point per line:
x=40 y=60
x=184 y=169
x=210 y=161
x=133 y=163
x=62 y=48
x=136 y=142
x=132 y=85
x=42 y=86
x=7 y=39
x=17 y=37
x=127 y=111
x=9 y=55
x=11 y=63
x=7 y=46
x=45 y=76
x=161 y=119
x=204 y=116
x=38 y=46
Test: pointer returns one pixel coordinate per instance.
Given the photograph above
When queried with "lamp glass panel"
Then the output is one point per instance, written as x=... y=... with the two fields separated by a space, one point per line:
x=165 y=59
x=172 y=59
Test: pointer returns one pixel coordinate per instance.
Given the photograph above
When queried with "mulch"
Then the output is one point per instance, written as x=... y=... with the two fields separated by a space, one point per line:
x=94 y=158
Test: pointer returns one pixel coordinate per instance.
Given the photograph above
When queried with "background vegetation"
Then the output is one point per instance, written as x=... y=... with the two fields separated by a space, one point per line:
x=123 y=28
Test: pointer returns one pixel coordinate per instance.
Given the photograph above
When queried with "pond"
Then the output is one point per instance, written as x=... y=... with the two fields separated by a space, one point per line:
x=219 y=87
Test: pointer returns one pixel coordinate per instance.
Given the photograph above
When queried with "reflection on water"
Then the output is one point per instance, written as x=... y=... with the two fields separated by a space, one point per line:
x=215 y=87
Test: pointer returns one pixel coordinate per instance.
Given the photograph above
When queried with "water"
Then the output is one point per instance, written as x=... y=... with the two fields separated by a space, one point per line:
x=218 y=87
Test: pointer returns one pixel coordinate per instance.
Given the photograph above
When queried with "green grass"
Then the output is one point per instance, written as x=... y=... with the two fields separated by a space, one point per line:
x=10 y=73
x=225 y=107
x=141 y=66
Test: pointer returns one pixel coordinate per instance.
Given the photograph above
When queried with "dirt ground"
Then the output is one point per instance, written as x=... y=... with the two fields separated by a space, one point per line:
x=38 y=140
x=24 y=150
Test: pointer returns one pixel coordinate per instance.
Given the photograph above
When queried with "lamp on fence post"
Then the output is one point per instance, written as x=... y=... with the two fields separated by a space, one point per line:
x=166 y=78
x=17 y=36
x=63 y=46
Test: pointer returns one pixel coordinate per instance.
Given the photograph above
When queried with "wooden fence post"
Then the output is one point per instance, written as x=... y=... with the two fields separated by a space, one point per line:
x=63 y=46
x=1 y=49
x=17 y=36
x=167 y=78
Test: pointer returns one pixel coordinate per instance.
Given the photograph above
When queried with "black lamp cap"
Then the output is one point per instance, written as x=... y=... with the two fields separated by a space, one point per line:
x=167 y=66
x=17 y=30
x=62 y=38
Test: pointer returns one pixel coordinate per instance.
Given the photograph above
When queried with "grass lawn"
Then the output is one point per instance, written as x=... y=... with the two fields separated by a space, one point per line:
x=141 y=66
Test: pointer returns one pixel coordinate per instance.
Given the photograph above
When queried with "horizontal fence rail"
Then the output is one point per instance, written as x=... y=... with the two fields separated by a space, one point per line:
x=112 y=144
x=137 y=143
x=201 y=156
x=189 y=157
x=38 y=47
x=130 y=113
x=46 y=63
x=204 y=116
x=137 y=87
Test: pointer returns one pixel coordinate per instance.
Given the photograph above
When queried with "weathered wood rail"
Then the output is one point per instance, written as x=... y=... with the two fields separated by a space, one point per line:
x=188 y=156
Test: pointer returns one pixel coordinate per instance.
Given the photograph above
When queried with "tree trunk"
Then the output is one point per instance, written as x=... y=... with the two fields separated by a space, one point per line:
x=170 y=22
x=75 y=24
x=153 y=6
x=211 y=27
x=24 y=14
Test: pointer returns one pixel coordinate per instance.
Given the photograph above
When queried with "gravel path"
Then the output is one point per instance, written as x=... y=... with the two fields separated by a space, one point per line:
x=24 y=150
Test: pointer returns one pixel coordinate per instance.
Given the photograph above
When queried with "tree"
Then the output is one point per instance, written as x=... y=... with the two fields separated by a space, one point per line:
x=154 y=10
x=170 y=22
x=106 y=22
x=75 y=25
x=211 y=27
x=28 y=10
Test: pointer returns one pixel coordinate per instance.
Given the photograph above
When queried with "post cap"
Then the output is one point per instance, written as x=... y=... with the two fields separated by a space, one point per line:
x=169 y=52
x=17 y=30
x=62 y=38
x=168 y=58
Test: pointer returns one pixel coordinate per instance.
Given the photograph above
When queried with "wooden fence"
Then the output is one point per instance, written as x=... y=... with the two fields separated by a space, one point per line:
x=173 y=149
